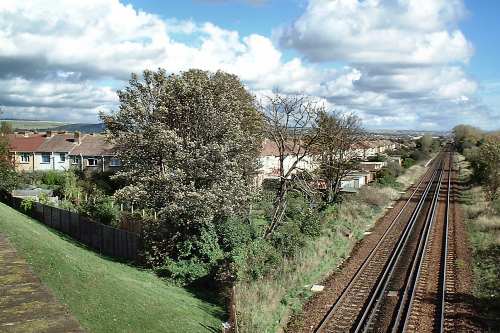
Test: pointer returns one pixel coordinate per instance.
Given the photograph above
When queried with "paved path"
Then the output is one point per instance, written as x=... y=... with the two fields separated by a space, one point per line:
x=25 y=304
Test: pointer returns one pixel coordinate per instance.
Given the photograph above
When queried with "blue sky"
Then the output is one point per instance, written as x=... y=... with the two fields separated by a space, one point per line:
x=418 y=64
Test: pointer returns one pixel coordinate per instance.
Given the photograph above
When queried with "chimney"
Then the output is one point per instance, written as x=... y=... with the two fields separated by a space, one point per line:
x=77 y=137
x=48 y=134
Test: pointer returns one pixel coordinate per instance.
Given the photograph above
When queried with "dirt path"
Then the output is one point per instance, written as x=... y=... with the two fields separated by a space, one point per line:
x=25 y=304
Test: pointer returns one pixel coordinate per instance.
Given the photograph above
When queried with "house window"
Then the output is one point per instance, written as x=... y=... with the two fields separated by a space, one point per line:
x=62 y=157
x=115 y=162
x=45 y=158
x=75 y=159
x=92 y=162
x=25 y=157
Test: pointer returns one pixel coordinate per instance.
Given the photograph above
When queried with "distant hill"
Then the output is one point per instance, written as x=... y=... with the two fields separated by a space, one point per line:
x=20 y=124
x=83 y=128
x=43 y=125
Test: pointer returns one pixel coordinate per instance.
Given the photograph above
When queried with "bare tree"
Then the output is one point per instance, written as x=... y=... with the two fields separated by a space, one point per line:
x=339 y=136
x=290 y=123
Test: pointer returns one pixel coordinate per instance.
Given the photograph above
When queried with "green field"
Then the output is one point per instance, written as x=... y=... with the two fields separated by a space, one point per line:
x=104 y=295
x=33 y=124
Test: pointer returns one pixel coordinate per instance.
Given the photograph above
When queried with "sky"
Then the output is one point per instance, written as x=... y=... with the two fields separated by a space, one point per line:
x=397 y=64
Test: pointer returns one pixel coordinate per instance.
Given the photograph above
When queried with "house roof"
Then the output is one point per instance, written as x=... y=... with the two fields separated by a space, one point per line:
x=59 y=143
x=269 y=148
x=93 y=145
x=22 y=143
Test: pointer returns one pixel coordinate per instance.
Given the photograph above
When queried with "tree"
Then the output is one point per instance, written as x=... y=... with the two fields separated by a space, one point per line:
x=290 y=123
x=9 y=178
x=189 y=144
x=339 y=134
x=5 y=128
x=466 y=136
x=425 y=143
x=489 y=164
x=8 y=175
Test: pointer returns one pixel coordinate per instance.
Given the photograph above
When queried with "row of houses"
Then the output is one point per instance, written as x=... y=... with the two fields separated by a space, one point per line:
x=366 y=170
x=61 y=151
x=92 y=153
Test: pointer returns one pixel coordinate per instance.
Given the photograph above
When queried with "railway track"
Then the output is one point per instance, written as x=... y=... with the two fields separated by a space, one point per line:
x=397 y=283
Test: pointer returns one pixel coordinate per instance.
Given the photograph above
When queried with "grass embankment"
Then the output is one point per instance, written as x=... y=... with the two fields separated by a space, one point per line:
x=265 y=305
x=106 y=296
x=482 y=220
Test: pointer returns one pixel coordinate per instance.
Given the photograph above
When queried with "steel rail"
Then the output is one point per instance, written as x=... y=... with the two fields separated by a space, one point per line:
x=346 y=290
x=381 y=287
x=445 y=249
x=404 y=308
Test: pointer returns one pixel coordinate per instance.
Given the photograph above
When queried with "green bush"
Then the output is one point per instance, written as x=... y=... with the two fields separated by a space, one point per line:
x=386 y=178
x=419 y=155
x=258 y=259
x=408 y=162
x=43 y=198
x=236 y=232
x=300 y=223
x=27 y=205
x=288 y=238
x=377 y=158
x=101 y=208
x=53 y=178
x=394 y=169
x=185 y=271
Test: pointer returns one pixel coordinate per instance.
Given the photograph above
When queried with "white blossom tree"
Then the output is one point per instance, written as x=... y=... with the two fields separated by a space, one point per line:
x=188 y=144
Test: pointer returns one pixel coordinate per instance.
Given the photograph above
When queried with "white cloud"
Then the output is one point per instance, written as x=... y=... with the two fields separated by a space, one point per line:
x=404 y=60
x=72 y=101
x=377 y=31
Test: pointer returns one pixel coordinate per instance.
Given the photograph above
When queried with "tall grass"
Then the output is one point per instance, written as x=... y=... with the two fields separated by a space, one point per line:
x=483 y=225
x=266 y=304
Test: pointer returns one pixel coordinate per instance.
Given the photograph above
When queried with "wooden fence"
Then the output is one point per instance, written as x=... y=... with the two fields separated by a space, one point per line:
x=102 y=238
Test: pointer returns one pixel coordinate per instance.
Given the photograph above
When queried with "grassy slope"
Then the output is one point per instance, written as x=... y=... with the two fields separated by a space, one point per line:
x=265 y=305
x=483 y=225
x=106 y=296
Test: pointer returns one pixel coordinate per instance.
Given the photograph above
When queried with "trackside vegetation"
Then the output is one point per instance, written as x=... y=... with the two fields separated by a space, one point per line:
x=480 y=173
x=104 y=295
x=265 y=303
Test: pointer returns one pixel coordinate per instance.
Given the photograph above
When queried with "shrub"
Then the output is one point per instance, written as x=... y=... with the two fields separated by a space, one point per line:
x=418 y=155
x=377 y=158
x=256 y=260
x=100 y=207
x=186 y=271
x=27 y=205
x=395 y=169
x=373 y=196
x=408 y=162
x=53 y=178
x=288 y=238
x=235 y=232
x=43 y=198
x=386 y=178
